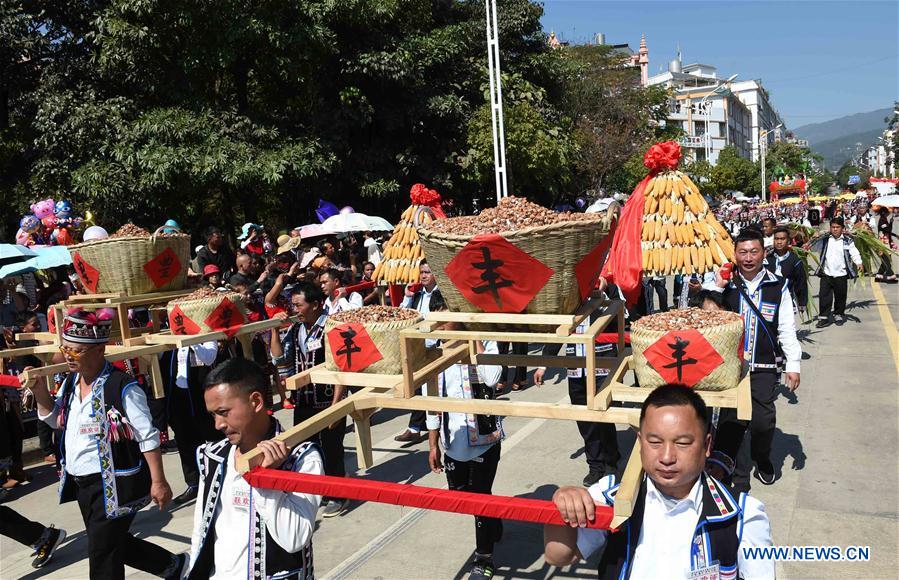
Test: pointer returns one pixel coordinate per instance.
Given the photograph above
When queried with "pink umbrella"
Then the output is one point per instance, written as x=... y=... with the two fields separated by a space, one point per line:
x=314 y=231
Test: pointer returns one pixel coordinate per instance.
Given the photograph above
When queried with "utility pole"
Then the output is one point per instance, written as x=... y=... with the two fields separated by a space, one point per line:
x=496 y=101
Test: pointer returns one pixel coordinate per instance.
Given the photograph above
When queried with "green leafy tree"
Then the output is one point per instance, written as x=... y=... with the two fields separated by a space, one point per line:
x=734 y=173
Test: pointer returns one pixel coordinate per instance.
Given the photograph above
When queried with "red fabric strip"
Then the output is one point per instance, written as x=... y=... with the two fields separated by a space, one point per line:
x=625 y=264
x=612 y=338
x=460 y=502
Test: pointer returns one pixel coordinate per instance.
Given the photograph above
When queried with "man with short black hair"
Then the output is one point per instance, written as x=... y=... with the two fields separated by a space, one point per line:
x=768 y=225
x=839 y=263
x=784 y=262
x=766 y=305
x=216 y=252
x=240 y=531
x=685 y=523
x=336 y=297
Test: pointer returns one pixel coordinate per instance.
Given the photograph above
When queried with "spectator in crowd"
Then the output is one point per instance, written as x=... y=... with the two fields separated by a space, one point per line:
x=216 y=252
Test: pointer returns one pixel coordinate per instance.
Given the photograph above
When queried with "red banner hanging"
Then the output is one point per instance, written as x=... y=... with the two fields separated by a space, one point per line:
x=352 y=348
x=163 y=268
x=588 y=269
x=89 y=276
x=180 y=323
x=225 y=318
x=683 y=357
x=496 y=276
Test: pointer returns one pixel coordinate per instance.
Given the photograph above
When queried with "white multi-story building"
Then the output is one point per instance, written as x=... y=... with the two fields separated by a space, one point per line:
x=715 y=113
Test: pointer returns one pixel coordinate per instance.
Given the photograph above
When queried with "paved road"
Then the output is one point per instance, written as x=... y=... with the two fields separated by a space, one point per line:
x=836 y=444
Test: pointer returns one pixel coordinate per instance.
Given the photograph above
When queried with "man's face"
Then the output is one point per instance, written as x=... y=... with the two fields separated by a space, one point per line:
x=244 y=264
x=215 y=240
x=295 y=233
x=781 y=242
x=749 y=256
x=673 y=447
x=303 y=309
x=233 y=410
x=767 y=228
x=82 y=356
x=861 y=210
x=426 y=277
x=329 y=250
x=368 y=271
x=31 y=325
x=328 y=284
x=836 y=230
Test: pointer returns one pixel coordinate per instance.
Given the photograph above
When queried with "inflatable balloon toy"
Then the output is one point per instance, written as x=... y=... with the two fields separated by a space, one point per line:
x=94 y=233
x=63 y=237
x=347 y=209
x=43 y=208
x=29 y=233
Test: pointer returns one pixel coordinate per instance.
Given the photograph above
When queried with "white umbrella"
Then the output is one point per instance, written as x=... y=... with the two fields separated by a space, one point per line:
x=356 y=222
x=890 y=201
x=600 y=205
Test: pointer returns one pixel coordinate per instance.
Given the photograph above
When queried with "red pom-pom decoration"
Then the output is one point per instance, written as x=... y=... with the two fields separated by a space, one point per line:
x=662 y=156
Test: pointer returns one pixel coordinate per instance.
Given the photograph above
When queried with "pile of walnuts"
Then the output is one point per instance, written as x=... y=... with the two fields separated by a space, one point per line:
x=688 y=318
x=510 y=214
x=368 y=314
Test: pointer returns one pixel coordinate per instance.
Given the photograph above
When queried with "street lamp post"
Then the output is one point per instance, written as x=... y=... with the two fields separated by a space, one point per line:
x=763 y=148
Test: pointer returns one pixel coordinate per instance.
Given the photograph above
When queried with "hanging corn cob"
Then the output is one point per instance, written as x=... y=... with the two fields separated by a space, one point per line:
x=403 y=252
x=679 y=234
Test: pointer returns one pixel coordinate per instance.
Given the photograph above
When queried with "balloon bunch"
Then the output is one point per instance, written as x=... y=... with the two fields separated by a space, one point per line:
x=49 y=224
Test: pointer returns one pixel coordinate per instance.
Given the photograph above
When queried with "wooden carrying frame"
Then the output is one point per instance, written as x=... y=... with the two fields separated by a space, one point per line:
x=458 y=346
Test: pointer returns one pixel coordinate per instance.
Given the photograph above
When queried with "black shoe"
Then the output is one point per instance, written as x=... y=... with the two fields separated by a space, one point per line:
x=765 y=473
x=840 y=319
x=823 y=323
x=594 y=476
x=51 y=540
x=187 y=496
x=336 y=507
x=482 y=569
x=178 y=569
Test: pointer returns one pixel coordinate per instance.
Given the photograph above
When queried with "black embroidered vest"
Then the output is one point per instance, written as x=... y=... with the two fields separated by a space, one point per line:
x=124 y=473
x=715 y=538
x=760 y=345
x=267 y=558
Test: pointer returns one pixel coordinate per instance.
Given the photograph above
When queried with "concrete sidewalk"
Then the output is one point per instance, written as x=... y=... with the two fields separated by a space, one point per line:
x=836 y=443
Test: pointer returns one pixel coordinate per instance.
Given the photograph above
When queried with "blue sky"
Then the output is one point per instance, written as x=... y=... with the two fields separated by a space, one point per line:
x=819 y=59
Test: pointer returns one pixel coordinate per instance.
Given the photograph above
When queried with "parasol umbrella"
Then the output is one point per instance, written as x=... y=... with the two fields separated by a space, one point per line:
x=315 y=231
x=600 y=205
x=356 y=222
x=891 y=201
x=846 y=196
x=44 y=258
x=12 y=253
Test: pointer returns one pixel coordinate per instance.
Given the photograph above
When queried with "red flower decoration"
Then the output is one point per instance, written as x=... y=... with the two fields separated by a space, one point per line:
x=421 y=195
x=662 y=156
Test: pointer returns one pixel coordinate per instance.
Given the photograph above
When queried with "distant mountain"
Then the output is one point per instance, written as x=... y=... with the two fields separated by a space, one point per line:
x=835 y=140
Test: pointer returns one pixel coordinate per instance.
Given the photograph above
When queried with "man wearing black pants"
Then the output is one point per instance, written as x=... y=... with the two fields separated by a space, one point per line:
x=839 y=262
x=185 y=370
x=600 y=439
x=301 y=348
x=44 y=540
x=764 y=301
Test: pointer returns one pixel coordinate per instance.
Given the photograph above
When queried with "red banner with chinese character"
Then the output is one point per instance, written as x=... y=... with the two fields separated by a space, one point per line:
x=352 y=348
x=683 y=357
x=180 y=323
x=89 y=276
x=225 y=318
x=163 y=268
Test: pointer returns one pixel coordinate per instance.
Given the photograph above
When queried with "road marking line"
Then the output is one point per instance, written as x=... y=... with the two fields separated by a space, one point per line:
x=887 y=319
x=346 y=568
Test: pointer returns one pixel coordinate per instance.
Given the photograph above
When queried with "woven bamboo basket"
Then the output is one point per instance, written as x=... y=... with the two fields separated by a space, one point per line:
x=199 y=310
x=559 y=246
x=120 y=262
x=386 y=337
x=724 y=338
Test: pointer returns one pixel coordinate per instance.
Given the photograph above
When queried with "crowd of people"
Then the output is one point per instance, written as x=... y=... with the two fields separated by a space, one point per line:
x=219 y=404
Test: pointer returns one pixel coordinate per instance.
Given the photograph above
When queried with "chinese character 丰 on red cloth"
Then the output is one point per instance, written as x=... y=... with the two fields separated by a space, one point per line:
x=683 y=357
x=225 y=318
x=163 y=268
x=352 y=348
x=181 y=324
x=89 y=276
x=496 y=276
